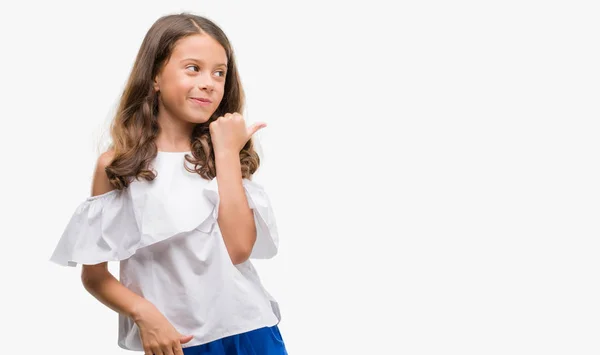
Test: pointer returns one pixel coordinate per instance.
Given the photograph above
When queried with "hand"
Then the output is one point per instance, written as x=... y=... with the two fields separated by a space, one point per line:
x=229 y=133
x=158 y=336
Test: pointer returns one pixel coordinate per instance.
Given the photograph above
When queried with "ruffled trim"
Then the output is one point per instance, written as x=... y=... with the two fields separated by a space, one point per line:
x=114 y=225
x=267 y=236
x=99 y=230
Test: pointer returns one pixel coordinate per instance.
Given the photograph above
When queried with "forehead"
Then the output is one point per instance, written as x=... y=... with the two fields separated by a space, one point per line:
x=201 y=47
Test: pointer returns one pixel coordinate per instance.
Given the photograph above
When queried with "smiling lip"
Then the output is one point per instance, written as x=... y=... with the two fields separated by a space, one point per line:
x=201 y=101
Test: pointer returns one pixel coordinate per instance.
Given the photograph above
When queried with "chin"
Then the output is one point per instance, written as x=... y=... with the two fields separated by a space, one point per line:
x=202 y=119
x=197 y=119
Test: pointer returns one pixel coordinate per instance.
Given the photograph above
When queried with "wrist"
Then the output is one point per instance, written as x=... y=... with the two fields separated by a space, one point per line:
x=226 y=154
x=140 y=309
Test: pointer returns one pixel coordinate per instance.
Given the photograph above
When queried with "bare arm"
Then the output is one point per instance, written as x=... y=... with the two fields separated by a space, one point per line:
x=101 y=284
x=236 y=219
x=157 y=334
x=97 y=280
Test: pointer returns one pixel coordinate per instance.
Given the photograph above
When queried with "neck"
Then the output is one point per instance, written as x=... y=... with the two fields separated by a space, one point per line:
x=174 y=133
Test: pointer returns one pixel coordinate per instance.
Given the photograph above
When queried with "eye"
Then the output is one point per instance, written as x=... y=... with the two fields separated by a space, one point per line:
x=193 y=66
x=222 y=72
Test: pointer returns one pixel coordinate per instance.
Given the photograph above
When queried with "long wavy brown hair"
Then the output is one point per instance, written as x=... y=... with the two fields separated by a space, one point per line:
x=135 y=128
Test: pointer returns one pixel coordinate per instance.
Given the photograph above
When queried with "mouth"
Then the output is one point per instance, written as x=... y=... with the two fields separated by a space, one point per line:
x=201 y=99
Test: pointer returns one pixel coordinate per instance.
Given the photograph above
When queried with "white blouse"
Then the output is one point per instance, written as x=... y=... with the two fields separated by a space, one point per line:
x=166 y=237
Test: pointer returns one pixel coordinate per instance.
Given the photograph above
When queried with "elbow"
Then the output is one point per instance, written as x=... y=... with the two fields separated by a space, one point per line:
x=241 y=242
x=240 y=255
x=243 y=251
x=92 y=274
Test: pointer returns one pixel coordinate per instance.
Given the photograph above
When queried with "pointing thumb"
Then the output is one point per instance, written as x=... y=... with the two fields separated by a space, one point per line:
x=185 y=338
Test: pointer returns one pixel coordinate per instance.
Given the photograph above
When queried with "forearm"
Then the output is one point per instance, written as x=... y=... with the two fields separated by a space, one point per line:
x=236 y=219
x=112 y=293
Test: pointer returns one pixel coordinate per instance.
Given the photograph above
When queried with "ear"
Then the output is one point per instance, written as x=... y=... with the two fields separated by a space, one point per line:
x=155 y=83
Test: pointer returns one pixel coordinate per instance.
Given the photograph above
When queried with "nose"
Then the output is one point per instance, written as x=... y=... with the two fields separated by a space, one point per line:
x=205 y=82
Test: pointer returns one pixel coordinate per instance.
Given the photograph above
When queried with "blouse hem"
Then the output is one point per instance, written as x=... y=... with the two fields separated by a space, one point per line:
x=213 y=337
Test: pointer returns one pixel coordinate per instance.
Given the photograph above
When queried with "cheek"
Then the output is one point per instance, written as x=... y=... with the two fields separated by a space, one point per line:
x=180 y=85
x=220 y=92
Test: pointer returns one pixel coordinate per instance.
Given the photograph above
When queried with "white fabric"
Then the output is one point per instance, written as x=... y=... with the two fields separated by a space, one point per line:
x=166 y=237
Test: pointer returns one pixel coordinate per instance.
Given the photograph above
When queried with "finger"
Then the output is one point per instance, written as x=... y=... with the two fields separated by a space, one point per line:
x=157 y=351
x=178 y=350
x=168 y=350
x=185 y=339
x=255 y=127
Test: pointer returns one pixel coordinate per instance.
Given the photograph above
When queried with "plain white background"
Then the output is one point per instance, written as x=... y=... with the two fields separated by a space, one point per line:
x=433 y=167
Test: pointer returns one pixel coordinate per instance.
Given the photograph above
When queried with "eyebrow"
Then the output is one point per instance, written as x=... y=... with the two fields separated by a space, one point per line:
x=201 y=61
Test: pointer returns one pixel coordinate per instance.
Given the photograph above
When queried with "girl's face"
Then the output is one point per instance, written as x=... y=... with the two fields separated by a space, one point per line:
x=192 y=81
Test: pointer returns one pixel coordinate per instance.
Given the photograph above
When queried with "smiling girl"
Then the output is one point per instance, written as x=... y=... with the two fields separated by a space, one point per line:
x=173 y=201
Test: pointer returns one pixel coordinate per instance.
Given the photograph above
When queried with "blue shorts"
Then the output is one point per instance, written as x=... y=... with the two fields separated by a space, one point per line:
x=262 y=341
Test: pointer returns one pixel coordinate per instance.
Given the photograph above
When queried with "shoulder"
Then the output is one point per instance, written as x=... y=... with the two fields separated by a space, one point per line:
x=105 y=158
x=101 y=184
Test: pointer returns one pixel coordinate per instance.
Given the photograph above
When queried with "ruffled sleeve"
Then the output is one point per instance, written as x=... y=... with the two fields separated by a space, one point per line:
x=102 y=228
x=267 y=237
x=114 y=225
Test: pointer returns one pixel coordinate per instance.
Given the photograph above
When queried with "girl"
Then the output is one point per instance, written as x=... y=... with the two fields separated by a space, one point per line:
x=173 y=201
